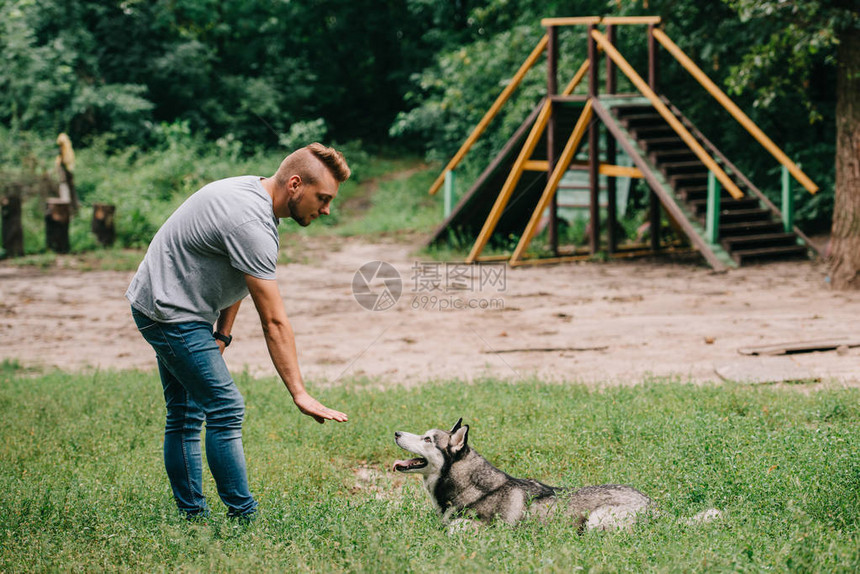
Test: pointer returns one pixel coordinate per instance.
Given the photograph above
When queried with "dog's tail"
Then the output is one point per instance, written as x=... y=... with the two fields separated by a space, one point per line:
x=704 y=517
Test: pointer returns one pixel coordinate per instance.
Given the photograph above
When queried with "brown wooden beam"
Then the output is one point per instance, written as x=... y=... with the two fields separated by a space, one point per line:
x=551 y=90
x=593 y=147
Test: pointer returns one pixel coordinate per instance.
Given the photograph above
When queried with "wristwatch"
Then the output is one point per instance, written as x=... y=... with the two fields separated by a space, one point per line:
x=226 y=339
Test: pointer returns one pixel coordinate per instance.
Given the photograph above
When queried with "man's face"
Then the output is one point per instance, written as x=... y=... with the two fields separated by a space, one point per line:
x=309 y=201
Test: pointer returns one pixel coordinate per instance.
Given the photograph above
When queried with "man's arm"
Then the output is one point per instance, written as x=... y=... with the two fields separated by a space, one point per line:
x=225 y=322
x=282 y=347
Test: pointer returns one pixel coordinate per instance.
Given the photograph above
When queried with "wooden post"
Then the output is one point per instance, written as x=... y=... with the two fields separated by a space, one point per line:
x=654 y=220
x=551 y=90
x=611 y=76
x=103 y=223
x=13 y=232
x=787 y=201
x=611 y=204
x=593 y=148
x=58 y=212
x=653 y=200
x=653 y=63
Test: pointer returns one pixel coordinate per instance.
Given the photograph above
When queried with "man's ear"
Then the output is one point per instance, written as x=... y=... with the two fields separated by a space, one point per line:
x=293 y=183
x=456 y=425
x=459 y=439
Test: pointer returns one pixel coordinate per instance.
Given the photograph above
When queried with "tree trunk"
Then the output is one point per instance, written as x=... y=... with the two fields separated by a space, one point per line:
x=57 y=216
x=102 y=225
x=13 y=232
x=845 y=239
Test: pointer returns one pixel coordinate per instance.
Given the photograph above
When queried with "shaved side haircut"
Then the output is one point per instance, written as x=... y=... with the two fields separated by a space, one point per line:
x=305 y=162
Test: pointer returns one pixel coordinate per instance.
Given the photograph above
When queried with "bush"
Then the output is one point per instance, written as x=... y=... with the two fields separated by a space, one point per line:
x=145 y=185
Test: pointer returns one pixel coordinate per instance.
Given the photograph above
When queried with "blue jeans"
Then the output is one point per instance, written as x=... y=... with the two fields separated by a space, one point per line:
x=198 y=387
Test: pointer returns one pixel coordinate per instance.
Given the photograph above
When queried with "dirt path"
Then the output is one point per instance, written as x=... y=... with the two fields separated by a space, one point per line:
x=615 y=323
x=362 y=200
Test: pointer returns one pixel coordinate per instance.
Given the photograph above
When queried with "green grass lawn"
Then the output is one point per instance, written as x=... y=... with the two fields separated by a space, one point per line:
x=82 y=486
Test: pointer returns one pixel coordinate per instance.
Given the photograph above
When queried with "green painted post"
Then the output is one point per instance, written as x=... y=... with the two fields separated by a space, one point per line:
x=450 y=181
x=712 y=216
x=787 y=201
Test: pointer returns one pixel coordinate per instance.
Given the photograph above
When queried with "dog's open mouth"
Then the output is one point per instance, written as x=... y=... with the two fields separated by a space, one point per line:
x=407 y=465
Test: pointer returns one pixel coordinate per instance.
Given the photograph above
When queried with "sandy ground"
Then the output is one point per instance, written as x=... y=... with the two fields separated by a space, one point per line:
x=615 y=323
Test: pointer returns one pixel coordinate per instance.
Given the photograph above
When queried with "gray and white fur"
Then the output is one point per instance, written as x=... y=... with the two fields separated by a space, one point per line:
x=464 y=485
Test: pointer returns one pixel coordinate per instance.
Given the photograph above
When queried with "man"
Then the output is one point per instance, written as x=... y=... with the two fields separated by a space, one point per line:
x=220 y=245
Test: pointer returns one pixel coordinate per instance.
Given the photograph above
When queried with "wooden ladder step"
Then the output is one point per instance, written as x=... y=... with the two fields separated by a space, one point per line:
x=662 y=143
x=688 y=179
x=729 y=203
x=744 y=215
x=665 y=155
x=624 y=111
x=651 y=131
x=742 y=242
x=768 y=253
x=692 y=192
x=632 y=120
x=698 y=192
x=673 y=167
x=749 y=228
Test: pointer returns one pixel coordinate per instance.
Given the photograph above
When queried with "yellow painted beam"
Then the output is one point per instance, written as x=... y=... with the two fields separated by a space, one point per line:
x=734 y=110
x=549 y=260
x=511 y=182
x=610 y=169
x=621 y=20
x=536 y=165
x=493 y=258
x=580 y=21
x=670 y=118
x=585 y=257
x=554 y=179
x=595 y=20
x=577 y=78
x=619 y=171
x=491 y=113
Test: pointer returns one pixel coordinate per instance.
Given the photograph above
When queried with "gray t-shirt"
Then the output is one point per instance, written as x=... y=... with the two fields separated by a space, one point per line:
x=196 y=264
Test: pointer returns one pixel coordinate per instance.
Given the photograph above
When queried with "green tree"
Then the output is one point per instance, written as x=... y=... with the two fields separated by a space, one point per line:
x=800 y=34
x=245 y=68
x=51 y=81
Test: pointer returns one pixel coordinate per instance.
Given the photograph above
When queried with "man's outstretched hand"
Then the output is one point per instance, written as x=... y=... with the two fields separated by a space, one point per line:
x=313 y=408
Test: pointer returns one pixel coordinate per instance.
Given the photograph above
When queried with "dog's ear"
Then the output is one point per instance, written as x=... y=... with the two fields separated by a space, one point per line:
x=459 y=439
x=456 y=425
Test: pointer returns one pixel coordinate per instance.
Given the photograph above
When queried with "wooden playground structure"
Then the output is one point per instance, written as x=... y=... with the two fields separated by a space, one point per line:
x=706 y=197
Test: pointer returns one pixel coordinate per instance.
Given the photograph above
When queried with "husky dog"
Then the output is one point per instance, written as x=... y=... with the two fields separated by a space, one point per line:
x=463 y=484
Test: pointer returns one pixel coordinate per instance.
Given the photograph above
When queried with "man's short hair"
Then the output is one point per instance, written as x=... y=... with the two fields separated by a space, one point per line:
x=304 y=162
